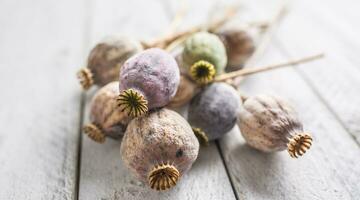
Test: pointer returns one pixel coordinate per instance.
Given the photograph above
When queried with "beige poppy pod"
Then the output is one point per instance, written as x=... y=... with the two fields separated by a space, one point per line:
x=106 y=118
x=269 y=124
x=159 y=148
x=186 y=91
x=106 y=59
x=239 y=46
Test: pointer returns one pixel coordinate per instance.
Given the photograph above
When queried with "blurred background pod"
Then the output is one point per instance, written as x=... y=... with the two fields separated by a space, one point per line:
x=105 y=60
x=239 y=45
x=159 y=148
x=106 y=119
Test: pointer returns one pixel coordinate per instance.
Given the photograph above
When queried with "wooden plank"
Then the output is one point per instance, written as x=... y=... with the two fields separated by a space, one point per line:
x=336 y=79
x=330 y=170
x=41 y=46
x=103 y=175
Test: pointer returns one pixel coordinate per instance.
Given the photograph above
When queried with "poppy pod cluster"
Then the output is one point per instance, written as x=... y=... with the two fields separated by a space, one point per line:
x=139 y=86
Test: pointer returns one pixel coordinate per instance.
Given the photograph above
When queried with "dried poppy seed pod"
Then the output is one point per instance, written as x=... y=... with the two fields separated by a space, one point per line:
x=159 y=148
x=204 y=56
x=105 y=60
x=239 y=46
x=213 y=112
x=148 y=80
x=186 y=91
x=105 y=116
x=269 y=124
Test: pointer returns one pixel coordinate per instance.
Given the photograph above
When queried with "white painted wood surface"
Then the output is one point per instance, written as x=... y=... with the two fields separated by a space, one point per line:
x=43 y=43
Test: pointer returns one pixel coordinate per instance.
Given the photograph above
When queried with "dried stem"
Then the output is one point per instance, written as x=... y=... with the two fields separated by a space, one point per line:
x=266 y=36
x=253 y=70
x=176 y=21
x=214 y=25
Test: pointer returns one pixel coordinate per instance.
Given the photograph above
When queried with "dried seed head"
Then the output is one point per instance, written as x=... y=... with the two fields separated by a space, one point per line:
x=299 y=144
x=201 y=136
x=202 y=72
x=206 y=47
x=132 y=102
x=163 y=176
x=86 y=78
x=94 y=132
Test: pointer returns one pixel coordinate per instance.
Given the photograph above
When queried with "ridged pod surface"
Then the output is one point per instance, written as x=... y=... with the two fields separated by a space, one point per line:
x=239 y=46
x=214 y=110
x=106 y=59
x=269 y=124
x=106 y=119
x=159 y=148
x=148 y=80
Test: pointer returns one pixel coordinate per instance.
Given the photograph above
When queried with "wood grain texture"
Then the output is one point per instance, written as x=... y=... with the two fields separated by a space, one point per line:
x=329 y=170
x=336 y=79
x=39 y=107
x=103 y=175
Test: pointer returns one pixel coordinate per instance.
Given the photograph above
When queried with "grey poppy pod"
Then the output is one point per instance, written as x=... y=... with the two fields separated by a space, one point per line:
x=239 y=46
x=106 y=118
x=269 y=124
x=106 y=59
x=213 y=112
x=158 y=148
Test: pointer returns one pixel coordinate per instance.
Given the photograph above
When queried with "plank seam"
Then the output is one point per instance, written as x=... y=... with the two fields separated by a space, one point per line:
x=316 y=92
x=87 y=27
x=227 y=170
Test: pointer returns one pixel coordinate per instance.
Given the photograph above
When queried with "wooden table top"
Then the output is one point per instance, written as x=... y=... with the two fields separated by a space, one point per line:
x=44 y=155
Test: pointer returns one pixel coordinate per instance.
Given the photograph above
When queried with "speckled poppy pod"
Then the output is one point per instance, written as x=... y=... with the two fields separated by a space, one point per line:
x=213 y=112
x=148 y=80
x=106 y=118
x=269 y=124
x=106 y=59
x=204 y=56
x=159 y=148
x=239 y=46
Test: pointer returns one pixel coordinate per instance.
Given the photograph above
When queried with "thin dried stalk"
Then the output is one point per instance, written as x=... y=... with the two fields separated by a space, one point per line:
x=178 y=18
x=266 y=35
x=254 y=70
x=166 y=41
